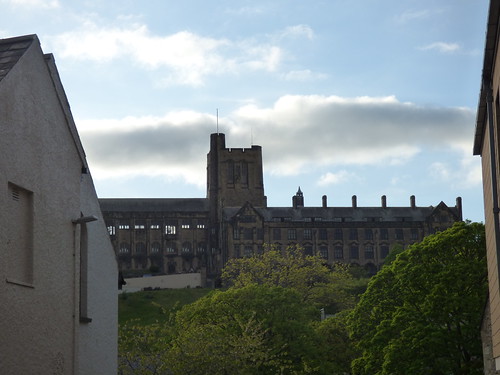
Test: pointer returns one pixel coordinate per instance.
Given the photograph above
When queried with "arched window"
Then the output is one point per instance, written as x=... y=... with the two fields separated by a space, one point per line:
x=155 y=247
x=140 y=248
x=186 y=247
x=124 y=248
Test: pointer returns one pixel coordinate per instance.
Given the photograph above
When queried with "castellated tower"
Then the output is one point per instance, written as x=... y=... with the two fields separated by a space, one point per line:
x=234 y=176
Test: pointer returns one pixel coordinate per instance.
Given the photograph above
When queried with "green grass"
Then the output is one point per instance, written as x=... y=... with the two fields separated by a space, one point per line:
x=143 y=306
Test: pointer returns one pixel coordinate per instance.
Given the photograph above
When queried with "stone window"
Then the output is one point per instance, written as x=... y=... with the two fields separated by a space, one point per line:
x=155 y=226
x=369 y=253
x=140 y=248
x=139 y=226
x=185 y=225
x=260 y=234
x=124 y=226
x=339 y=235
x=384 y=251
x=292 y=234
x=200 y=226
x=308 y=250
x=248 y=233
x=155 y=247
x=170 y=229
x=248 y=250
x=307 y=234
x=236 y=233
x=202 y=247
x=338 y=252
x=368 y=234
x=124 y=248
x=323 y=252
x=414 y=233
x=186 y=247
x=111 y=230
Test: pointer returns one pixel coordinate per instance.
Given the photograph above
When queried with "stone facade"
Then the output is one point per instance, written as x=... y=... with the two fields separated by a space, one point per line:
x=201 y=234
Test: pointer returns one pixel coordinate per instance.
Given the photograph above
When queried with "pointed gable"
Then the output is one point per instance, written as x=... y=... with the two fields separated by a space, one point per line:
x=11 y=50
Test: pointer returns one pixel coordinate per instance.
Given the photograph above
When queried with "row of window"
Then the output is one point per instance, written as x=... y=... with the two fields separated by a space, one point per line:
x=338 y=251
x=307 y=234
x=169 y=229
x=342 y=219
x=156 y=248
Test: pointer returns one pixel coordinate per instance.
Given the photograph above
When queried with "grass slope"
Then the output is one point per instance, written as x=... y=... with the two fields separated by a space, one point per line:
x=143 y=306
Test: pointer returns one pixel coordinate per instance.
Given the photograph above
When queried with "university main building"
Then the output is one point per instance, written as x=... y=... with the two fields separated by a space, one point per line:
x=179 y=235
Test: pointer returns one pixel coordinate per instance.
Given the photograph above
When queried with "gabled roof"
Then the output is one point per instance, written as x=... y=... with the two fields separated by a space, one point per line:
x=11 y=50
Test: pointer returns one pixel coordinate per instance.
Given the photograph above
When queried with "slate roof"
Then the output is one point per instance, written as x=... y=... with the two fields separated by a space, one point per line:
x=338 y=213
x=11 y=50
x=154 y=204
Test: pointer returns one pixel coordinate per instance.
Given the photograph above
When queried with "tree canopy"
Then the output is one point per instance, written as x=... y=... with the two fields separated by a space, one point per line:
x=421 y=314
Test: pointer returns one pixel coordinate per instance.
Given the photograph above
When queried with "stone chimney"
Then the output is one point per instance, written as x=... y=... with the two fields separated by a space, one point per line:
x=459 y=208
x=323 y=201
x=412 y=202
x=384 y=201
x=354 y=201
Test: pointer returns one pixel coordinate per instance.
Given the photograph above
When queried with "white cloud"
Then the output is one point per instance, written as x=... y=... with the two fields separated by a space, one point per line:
x=330 y=178
x=303 y=76
x=185 y=57
x=298 y=134
x=441 y=47
x=43 y=4
x=298 y=31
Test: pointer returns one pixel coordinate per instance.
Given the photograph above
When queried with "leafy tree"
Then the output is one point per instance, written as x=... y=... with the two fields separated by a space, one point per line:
x=249 y=330
x=421 y=314
x=315 y=281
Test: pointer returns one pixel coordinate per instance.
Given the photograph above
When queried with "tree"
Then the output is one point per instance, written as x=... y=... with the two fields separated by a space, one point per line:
x=315 y=281
x=249 y=330
x=421 y=314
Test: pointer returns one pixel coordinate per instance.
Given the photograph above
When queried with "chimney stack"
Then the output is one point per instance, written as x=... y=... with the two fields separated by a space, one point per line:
x=459 y=208
x=323 y=199
x=412 y=201
x=354 y=201
x=384 y=201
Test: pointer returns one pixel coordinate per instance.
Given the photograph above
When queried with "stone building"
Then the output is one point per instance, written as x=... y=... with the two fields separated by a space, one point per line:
x=486 y=138
x=58 y=272
x=201 y=234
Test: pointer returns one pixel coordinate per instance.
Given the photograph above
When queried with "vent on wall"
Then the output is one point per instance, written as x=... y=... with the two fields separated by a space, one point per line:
x=15 y=193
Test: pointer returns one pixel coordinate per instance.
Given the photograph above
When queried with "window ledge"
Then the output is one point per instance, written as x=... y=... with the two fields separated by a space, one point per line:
x=20 y=283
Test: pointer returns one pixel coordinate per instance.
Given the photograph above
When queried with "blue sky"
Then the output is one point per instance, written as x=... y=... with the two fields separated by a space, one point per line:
x=363 y=98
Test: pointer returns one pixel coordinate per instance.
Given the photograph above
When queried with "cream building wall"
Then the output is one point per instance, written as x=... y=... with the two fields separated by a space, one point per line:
x=42 y=191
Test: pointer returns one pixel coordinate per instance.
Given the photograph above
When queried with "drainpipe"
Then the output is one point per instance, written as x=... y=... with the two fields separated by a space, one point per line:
x=494 y=190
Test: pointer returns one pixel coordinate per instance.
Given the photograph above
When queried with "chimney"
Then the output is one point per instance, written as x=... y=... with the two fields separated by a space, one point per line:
x=294 y=201
x=412 y=201
x=323 y=200
x=459 y=208
x=384 y=201
x=354 y=201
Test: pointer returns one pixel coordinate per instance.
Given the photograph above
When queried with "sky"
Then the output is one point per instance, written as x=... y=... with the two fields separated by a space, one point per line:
x=365 y=98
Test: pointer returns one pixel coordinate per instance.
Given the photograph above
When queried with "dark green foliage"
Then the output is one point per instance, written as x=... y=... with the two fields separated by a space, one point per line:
x=421 y=314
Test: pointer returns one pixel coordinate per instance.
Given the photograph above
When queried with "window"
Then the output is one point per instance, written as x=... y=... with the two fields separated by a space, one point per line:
x=236 y=251
x=124 y=226
x=368 y=234
x=292 y=234
x=384 y=234
x=230 y=172
x=186 y=247
x=111 y=230
x=124 y=248
x=414 y=233
x=369 y=253
x=200 y=226
x=140 y=248
x=155 y=247
x=338 y=252
x=353 y=234
x=277 y=233
x=185 y=226
x=399 y=234
x=170 y=229
x=384 y=251
x=354 y=253
x=323 y=252
x=307 y=234
x=202 y=248
x=236 y=233
x=323 y=234
x=338 y=234
x=244 y=173
x=139 y=226
x=155 y=226
x=248 y=250
x=276 y=219
x=308 y=250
